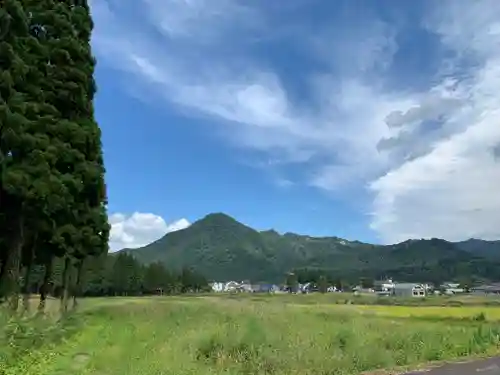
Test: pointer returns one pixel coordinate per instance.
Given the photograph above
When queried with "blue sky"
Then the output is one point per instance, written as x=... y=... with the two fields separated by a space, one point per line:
x=369 y=120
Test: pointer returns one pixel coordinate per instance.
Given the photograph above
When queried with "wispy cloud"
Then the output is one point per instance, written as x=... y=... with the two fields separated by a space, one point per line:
x=424 y=155
x=450 y=189
x=244 y=92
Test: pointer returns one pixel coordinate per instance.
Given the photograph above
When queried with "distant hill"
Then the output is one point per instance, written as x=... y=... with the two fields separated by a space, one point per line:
x=222 y=248
x=488 y=249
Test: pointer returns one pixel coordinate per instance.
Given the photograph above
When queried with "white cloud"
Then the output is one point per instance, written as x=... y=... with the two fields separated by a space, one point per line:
x=248 y=96
x=452 y=190
x=427 y=155
x=139 y=229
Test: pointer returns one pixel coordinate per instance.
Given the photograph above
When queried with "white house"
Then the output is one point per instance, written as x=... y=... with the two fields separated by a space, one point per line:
x=231 y=286
x=385 y=286
x=218 y=287
x=452 y=288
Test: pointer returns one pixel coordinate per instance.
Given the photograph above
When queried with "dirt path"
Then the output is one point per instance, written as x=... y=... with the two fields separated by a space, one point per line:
x=481 y=367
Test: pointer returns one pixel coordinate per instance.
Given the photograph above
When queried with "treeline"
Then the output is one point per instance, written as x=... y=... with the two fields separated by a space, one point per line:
x=52 y=189
x=121 y=275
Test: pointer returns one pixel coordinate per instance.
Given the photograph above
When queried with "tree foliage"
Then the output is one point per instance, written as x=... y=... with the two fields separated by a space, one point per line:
x=120 y=275
x=52 y=188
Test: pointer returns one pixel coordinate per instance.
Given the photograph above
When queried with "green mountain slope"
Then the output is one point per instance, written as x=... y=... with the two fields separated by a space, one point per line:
x=488 y=249
x=221 y=248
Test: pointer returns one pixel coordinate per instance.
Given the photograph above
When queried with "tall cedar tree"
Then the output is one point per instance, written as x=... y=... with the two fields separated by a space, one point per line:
x=30 y=187
x=93 y=218
x=51 y=159
x=14 y=32
x=50 y=155
x=66 y=28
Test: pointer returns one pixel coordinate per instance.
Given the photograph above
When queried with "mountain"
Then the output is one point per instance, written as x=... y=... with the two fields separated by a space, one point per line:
x=221 y=248
x=488 y=249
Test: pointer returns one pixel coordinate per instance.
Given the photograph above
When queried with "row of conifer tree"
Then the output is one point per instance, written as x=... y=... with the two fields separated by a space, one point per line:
x=54 y=227
x=52 y=188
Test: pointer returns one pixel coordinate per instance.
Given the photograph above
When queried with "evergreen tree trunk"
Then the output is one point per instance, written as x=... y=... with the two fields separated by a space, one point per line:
x=9 y=283
x=27 y=276
x=77 y=291
x=65 y=282
x=26 y=287
x=3 y=264
x=44 y=289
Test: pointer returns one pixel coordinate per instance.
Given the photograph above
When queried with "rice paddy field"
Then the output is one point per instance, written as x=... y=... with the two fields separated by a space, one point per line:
x=245 y=335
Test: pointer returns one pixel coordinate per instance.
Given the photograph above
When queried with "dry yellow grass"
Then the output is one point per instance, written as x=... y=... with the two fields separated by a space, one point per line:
x=491 y=313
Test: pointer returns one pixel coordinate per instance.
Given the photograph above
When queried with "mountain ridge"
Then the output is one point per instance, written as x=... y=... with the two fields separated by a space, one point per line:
x=222 y=248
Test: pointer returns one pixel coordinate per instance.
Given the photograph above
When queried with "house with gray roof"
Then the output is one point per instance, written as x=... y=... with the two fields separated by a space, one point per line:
x=486 y=289
x=407 y=290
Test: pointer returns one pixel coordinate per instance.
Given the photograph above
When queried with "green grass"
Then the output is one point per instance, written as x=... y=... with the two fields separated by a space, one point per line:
x=213 y=335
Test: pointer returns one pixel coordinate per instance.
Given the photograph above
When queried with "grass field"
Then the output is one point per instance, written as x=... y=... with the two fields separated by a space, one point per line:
x=224 y=335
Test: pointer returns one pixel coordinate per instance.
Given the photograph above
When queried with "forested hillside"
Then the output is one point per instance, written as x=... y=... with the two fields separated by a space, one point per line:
x=221 y=248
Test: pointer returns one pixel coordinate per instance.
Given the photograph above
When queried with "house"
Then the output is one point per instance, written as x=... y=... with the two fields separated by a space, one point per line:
x=360 y=290
x=487 y=289
x=255 y=288
x=265 y=288
x=384 y=287
x=452 y=288
x=270 y=288
x=429 y=287
x=409 y=290
x=232 y=286
x=306 y=288
x=217 y=287
x=245 y=287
